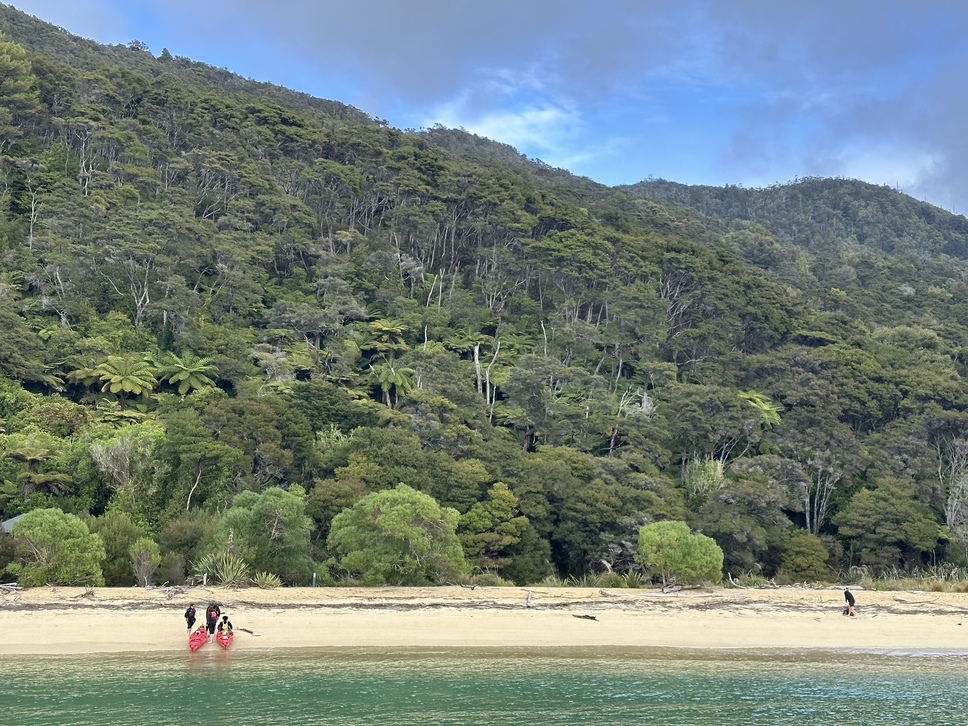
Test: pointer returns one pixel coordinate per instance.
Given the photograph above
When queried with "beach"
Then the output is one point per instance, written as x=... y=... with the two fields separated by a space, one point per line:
x=71 y=621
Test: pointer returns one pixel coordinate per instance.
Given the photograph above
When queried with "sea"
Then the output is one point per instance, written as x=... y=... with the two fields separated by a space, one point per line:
x=486 y=686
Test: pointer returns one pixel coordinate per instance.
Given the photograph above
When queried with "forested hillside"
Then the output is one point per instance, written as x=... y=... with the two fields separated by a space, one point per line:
x=230 y=312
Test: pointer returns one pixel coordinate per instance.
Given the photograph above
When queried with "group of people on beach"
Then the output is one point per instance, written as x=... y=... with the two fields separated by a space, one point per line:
x=212 y=622
x=214 y=611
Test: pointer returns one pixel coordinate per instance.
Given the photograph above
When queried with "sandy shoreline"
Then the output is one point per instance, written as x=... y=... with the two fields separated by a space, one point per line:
x=68 y=621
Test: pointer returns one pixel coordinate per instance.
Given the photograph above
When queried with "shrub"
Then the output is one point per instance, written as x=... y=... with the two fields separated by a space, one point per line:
x=224 y=568
x=398 y=536
x=57 y=548
x=804 y=558
x=671 y=551
x=266 y=580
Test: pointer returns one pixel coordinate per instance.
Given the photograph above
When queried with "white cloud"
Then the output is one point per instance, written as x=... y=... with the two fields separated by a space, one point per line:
x=554 y=133
x=545 y=126
x=904 y=168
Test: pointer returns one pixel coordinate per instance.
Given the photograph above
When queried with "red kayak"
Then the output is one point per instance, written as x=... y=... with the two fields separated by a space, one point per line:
x=225 y=639
x=198 y=638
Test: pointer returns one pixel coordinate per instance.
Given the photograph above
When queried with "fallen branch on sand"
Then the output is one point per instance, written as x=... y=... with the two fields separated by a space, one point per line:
x=585 y=617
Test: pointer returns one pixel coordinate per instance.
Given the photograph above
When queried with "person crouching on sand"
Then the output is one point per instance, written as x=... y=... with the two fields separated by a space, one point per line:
x=849 y=597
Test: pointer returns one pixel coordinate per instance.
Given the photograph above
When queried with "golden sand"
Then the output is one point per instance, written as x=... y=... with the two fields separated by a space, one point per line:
x=62 y=620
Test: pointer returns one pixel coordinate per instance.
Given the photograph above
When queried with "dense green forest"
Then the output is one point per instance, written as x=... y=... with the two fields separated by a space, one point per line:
x=235 y=319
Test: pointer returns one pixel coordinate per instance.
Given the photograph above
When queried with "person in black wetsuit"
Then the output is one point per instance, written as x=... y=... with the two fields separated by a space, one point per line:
x=849 y=597
x=225 y=626
x=190 y=616
x=211 y=618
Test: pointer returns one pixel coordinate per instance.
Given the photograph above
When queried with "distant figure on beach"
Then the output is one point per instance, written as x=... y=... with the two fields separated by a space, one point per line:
x=211 y=618
x=190 y=616
x=849 y=597
x=225 y=626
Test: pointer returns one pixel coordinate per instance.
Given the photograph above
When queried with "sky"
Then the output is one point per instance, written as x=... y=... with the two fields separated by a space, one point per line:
x=750 y=92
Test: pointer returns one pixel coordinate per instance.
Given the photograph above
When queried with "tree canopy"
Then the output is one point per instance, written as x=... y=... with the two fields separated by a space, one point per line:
x=670 y=550
x=398 y=537
x=56 y=548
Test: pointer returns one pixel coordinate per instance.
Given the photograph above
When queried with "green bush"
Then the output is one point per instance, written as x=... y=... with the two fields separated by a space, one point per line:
x=669 y=550
x=804 y=558
x=398 y=536
x=55 y=548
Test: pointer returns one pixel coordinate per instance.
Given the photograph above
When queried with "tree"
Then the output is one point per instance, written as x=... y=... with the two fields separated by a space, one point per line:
x=827 y=454
x=381 y=457
x=18 y=88
x=124 y=374
x=398 y=537
x=21 y=355
x=181 y=540
x=950 y=443
x=33 y=449
x=327 y=405
x=145 y=558
x=118 y=532
x=490 y=527
x=252 y=427
x=530 y=559
x=127 y=463
x=546 y=399
x=270 y=532
x=329 y=497
x=57 y=548
x=889 y=526
x=196 y=463
x=187 y=372
x=710 y=426
x=748 y=516
x=669 y=550
x=804 y=557
x=392 y=379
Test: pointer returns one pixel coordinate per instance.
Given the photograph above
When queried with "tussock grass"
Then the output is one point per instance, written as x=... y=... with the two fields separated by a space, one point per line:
x=266 y=580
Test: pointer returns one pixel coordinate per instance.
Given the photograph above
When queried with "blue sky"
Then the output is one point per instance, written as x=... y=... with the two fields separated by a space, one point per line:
x=750 y=92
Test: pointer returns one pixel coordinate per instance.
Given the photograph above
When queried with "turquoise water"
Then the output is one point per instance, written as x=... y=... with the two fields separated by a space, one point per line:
x=484 y=687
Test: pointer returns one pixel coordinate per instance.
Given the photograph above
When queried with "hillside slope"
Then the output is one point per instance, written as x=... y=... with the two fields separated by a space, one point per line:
x=231 y=312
